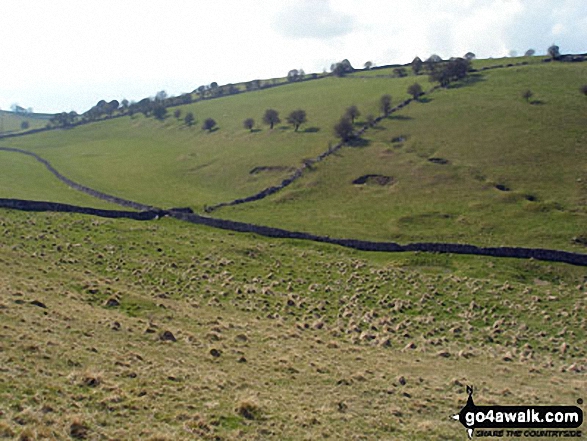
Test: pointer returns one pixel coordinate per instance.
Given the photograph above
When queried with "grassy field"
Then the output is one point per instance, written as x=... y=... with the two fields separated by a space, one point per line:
x=168 y=164
x=164 y=331
x=22 y=177
x=488 y=136
x=11 y=122
x=484 y=131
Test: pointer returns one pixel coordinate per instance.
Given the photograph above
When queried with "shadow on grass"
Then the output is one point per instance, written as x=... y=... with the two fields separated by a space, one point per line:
x=537 y=102
x=358 y=142
x=399 y=117
x=311 y=130
x=255 y=130
x=470 y=80
x=424 y=100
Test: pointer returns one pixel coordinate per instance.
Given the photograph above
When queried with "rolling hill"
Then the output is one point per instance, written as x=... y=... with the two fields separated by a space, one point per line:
x=164 y=330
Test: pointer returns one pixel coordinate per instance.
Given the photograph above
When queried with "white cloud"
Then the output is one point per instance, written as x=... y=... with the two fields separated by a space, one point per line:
x=312 y=19
x=68 y=54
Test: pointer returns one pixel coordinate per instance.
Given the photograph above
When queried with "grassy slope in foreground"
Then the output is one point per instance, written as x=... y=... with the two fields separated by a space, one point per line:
x=275 y=339
x=167 y=164
x=490 y=136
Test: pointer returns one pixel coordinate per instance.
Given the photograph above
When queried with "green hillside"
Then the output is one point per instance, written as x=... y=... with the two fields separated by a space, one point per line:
x=169 y=164
x=163 y=330
x=483 y=133
x=489 y=136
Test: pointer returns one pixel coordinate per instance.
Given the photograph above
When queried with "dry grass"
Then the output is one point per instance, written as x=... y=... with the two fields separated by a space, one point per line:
x=272 y=340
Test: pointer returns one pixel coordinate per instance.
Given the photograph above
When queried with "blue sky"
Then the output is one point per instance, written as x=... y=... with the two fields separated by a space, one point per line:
x=64 y=55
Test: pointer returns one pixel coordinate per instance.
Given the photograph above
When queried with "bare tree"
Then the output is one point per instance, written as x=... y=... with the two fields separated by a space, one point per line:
x=385 y=104
x=344 y=129
x=297 y=118
x=352 y=113
x=271 y=118
x=530 y=53
x=527 y=94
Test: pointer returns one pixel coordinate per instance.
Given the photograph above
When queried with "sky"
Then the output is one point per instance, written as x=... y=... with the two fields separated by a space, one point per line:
x=64 y=55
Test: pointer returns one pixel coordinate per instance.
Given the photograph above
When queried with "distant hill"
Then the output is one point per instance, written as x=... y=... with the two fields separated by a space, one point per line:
x=11 y=122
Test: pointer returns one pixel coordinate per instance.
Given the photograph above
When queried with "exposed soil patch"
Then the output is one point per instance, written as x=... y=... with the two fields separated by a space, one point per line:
x=441 y=161
x=266 y=168
x=502 y=187
x=374 y=179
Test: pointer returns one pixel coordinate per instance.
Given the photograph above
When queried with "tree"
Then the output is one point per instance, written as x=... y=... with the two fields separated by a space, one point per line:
x=554 y=52
x=527 y=94
x=455 y=69
x=584 y=89
x=161 y=96
x=186 y=98
x=177 y=114
x=416 y=65
x=209 y=124
x=385 y=104
x=370 y=120
x=201 y=91
x=432 y=63
x=342 y=68
x=368 y=65
x=470 y=56
x=344 y=129
x=415 y=90
x=24 y=125
x=189 y=119
x=160 y=112
x=297 y=118
x=124 y=103
x=400 y=72
x=293 y=75
x=530 y=53
x=111 y=107
x=352 y=113
x=249 y=123
x=271 y=118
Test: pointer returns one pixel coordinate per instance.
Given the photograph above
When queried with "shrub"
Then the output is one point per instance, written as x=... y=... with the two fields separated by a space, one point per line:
x=249 y=123
x=209 y=124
